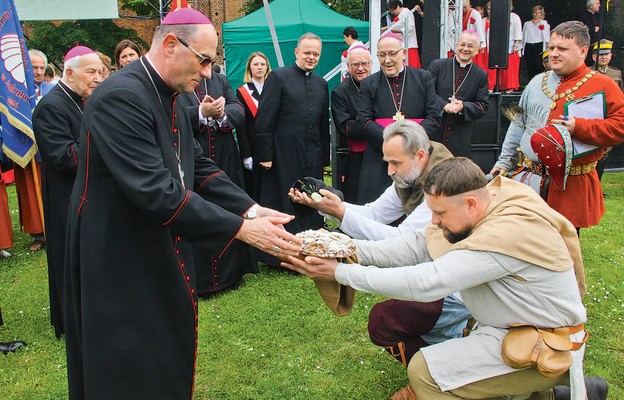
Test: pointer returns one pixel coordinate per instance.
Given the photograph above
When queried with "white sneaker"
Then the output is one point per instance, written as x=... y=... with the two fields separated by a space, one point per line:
x=4 y=254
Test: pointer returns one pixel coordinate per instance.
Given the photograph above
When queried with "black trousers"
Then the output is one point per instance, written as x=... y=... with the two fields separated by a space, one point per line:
x=533 y=58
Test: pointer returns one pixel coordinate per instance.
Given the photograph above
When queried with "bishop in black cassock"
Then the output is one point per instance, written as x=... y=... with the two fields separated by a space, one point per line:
x=142 y=192
x=292 y=131
x=217 y=137
x=56 y=124
x=462 y=91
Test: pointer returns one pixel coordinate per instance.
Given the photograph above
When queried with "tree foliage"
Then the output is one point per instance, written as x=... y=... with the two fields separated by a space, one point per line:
x=55 y=41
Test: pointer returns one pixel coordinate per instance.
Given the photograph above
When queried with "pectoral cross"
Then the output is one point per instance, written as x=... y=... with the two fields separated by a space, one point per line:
x=452 y=98
x=398 y=116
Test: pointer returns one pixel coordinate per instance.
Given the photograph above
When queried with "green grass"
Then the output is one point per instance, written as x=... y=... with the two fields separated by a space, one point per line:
x=273 y=338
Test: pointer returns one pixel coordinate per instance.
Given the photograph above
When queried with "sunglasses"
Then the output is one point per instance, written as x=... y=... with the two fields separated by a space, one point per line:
x=204 y=61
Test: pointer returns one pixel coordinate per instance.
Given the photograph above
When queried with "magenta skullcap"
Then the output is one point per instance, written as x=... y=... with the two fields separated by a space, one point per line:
x=358 y=47
x=393 y=36
x=77 y=51
x=185 y=16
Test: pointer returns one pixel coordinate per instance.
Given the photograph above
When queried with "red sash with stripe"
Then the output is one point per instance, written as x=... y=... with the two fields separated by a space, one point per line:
x=252 y=104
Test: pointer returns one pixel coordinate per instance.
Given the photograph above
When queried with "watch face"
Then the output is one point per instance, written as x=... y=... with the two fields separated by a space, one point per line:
x=251 y=214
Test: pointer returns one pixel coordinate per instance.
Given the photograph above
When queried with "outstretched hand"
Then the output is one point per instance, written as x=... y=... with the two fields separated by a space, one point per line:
x=267 y=233
x=318 y=269
x=329 y=204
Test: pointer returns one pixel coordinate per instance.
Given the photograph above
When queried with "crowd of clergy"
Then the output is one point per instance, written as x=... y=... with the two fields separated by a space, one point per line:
x=274 y=130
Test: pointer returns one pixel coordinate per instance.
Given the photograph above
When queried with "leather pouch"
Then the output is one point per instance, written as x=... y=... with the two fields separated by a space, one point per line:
x=549 y=351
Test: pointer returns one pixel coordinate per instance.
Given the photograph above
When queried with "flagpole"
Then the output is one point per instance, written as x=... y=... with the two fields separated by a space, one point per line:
x=35 y=172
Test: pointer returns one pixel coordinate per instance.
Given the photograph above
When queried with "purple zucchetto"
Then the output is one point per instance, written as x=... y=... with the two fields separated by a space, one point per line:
x=77 y=51
x=393 y=36
x=185 y=16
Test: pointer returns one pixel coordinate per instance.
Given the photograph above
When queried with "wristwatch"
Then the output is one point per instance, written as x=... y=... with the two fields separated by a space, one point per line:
x=252 y=212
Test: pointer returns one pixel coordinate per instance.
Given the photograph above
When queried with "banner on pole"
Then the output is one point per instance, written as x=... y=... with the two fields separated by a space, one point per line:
x=17 y=92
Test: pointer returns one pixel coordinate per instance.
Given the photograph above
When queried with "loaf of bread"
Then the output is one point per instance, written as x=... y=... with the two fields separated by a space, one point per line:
x=324 y=244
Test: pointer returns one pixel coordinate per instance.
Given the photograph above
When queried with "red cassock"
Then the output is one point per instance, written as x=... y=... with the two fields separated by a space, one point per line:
x=6 y=228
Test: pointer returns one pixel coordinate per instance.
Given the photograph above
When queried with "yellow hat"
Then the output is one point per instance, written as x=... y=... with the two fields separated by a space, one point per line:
x=544 y=55
x=603 y=47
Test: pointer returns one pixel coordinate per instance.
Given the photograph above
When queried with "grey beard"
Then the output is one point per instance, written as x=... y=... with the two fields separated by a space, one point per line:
x=407 y=181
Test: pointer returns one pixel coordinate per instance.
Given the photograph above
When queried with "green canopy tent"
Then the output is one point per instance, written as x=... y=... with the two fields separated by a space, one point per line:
x=292 y=18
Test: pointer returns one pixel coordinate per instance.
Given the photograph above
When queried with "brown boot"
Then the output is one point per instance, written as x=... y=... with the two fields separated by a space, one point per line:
x=407 y=393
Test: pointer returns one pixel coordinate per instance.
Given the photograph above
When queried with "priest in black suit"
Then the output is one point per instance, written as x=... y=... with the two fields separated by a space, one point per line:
x=344 y=108
x=292 y=131
x=395 y=92
x=462 y=91
x=142 y=192
x=216 y=114
x=56 y=124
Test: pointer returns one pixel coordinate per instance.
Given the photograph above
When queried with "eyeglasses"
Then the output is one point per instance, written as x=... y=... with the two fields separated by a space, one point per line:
x=469 y=46
x=309 y=53
x=392 y=53
x=204 y=61
x=360 y=64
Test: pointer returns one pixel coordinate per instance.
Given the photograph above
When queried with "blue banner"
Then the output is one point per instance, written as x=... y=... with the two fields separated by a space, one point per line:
x=17 y=89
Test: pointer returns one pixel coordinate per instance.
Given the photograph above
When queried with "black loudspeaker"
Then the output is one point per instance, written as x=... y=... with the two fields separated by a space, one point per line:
x=430 y=48
x=499 y=33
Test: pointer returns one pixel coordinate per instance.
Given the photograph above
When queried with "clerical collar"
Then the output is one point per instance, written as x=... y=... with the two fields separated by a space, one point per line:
x=398 y=75
x=168 y=90
x=462 y=64
x=70 y=92
x=307 y=73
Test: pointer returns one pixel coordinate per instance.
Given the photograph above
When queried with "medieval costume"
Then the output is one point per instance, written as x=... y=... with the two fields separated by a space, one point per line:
x=344 y=108
x=383 y=97
x=143 y=192
x=56 y=123
x=292 y=131
x=502 y=283
x=215 y=272
x=543 y=100
x=467 y=83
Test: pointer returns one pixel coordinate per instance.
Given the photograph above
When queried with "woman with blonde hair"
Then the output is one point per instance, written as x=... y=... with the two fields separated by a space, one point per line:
x=535 y=36
x=249 y=94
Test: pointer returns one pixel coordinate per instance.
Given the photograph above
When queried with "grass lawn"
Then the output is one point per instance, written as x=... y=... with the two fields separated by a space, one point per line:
x=273 y=338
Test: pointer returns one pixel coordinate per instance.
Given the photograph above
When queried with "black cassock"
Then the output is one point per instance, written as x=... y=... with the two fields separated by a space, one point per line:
x=131 y=306
x=380 y=97
x=344 y=108
x=215 y=272
x=470 y=82
x=292 y=130
x=56 y=123
x=247 y=135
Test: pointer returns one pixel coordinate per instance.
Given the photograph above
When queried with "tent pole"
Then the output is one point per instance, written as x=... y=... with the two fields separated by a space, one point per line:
x=375 y=28
x=278 y=51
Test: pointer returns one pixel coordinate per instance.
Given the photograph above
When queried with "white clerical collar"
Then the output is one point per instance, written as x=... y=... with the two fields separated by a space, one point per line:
x=259 y=86
x=461 y=64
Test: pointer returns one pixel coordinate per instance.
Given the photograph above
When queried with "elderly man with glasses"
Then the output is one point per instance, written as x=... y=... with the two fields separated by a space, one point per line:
x=462 y=91
x=396 y=92
x=143 y=192
x=344 y=108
